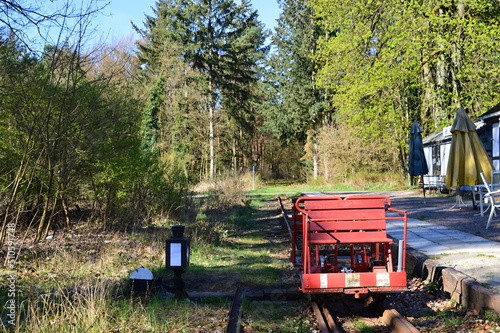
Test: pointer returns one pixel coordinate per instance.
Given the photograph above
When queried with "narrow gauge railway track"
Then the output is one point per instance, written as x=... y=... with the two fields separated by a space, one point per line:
x=382 y=318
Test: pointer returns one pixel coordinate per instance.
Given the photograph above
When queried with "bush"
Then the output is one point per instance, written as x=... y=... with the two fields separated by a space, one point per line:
x=223 y=194
x=345 y=155
x=227 y=191
x=208 y=233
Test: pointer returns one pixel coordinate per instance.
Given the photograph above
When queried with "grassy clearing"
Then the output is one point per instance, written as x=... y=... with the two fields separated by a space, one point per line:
x=78 y=281
x=361 y=183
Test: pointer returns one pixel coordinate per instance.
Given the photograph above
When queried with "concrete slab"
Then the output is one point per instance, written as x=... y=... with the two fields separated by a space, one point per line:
x=472 y=255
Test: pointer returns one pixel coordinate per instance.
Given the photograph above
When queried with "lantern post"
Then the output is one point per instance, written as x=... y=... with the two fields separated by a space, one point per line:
x=177 y=257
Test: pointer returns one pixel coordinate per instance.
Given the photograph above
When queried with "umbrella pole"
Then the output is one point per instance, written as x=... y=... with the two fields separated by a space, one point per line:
x=423 y=187
x=460 y=200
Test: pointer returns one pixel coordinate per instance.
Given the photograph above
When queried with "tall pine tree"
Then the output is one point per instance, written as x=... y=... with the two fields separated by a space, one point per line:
x=297 y=108
x=223 y=43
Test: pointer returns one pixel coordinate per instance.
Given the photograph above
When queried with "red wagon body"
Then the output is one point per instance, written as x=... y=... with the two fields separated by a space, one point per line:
x=342 y=246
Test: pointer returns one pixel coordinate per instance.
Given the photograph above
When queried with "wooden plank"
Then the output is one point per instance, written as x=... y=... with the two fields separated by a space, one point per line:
x=366 y=203
x=233 y=325
x=329 y=320
x=347 y=214
x=312 y=203
x=348 y=237
x=319 y=318
x=397 y=322
x=374 y=225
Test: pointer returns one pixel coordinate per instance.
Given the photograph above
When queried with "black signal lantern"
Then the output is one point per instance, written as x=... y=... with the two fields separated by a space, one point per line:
x=177 y=257
x=177 y=249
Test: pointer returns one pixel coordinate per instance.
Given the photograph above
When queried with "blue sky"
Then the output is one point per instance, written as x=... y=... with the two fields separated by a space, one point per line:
x=115 y=22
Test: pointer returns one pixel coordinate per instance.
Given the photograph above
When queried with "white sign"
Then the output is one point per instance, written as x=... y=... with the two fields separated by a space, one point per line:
x=446 y=131
x=175 y=254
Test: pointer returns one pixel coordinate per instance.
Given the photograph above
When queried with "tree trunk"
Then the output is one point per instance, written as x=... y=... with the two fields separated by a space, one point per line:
x=53 y=212
x=326 y=167
x=457 y=59
x=235 y=159
x=66 y=212
x=43 y=220
x=315 y=157
x=211 y=135
x=10 y=204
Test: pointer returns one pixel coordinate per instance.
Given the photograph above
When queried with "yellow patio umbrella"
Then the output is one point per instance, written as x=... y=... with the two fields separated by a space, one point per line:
x=468 y=158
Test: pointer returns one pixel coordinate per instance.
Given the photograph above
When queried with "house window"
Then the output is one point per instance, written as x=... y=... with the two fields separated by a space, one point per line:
x=436 y=160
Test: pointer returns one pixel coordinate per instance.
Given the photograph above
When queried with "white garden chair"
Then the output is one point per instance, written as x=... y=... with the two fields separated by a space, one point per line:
x=492 y=197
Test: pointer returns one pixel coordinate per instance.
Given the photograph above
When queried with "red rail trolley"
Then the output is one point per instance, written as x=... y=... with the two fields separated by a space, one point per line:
x=341 y=245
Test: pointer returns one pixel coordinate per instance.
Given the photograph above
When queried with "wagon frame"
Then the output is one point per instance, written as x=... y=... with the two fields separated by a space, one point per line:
x=341 y=245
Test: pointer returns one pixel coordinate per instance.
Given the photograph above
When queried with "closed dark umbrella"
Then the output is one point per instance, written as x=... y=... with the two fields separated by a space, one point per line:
x=417 y=164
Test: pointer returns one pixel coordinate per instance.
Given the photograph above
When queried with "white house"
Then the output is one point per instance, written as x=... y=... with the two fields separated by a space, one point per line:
x=491 y=143
x=437 y=145
x=436 y=149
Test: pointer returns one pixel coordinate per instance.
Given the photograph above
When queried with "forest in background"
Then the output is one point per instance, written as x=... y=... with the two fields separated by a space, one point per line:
x=121 y=131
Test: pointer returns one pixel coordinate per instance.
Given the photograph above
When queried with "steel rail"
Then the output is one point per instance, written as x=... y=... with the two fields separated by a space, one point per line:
x=234 y=325
x=397 y=322
x=285 y=217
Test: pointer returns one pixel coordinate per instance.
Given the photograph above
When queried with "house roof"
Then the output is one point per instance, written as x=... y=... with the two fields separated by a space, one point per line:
x=494 y=112
x=439 y=136
x=445 y=134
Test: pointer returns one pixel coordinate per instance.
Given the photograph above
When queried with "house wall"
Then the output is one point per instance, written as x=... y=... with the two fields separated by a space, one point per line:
x=437 y=158
x=437 y=151
x=428 y=159
x=495 y=131
x=445 y=154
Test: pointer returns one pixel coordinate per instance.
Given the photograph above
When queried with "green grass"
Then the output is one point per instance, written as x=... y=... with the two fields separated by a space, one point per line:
x=362 y=327
x=491 y=316
x=245 y=254
x=485 y=255
x=294 y=189
x=276 y=317
x=433 y=287
x=439 y=256
x=453 y=321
